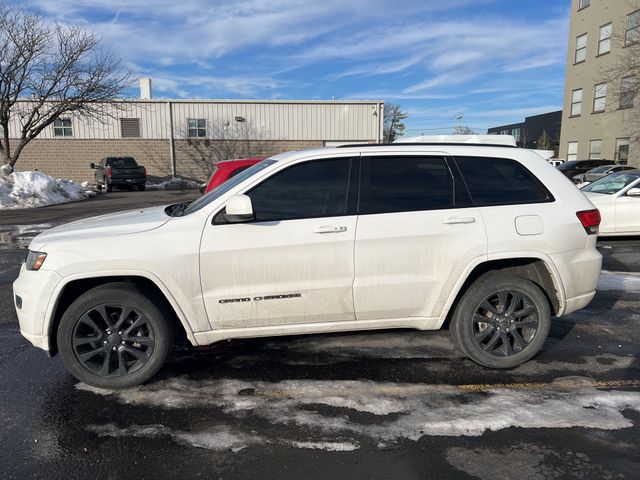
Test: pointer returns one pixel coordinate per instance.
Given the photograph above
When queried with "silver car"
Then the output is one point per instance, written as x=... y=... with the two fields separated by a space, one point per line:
x=599 y=172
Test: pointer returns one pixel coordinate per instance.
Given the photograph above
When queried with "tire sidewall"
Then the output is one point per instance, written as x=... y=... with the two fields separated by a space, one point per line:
x=483 y=288
x=100 y=295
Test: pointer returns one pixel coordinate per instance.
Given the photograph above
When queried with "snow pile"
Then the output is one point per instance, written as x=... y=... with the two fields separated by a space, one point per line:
x=337 y=415
x=36 y=189
x=174 y=184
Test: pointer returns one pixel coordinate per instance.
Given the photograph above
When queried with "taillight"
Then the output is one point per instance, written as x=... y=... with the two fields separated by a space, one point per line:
x=590 y=220
x=108 y=172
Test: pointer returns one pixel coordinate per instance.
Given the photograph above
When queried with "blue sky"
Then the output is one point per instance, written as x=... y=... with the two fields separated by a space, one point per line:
x=491 y=61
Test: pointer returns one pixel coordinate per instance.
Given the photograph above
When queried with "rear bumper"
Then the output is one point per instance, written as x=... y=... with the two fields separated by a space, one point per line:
x=579 y=271
x=127 y=181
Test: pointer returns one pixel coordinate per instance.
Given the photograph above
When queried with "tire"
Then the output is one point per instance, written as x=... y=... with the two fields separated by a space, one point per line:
x=135 y=347
x=516 y=325
x=142 y=187
x=108 y=187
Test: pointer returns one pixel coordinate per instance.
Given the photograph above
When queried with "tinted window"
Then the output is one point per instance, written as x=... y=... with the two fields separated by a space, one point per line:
x=500 y=181
x=121 y=162
x=568 y=165
x=307 y=190
x=406 y=184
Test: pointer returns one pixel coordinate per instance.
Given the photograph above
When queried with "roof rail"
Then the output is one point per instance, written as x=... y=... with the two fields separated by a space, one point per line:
x=427 y=144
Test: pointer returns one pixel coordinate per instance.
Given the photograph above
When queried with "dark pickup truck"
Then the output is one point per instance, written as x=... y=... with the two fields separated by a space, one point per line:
x=119 y=171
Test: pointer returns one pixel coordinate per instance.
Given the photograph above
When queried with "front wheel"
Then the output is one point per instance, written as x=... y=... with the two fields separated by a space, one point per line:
x=501 y=321
x=114 y=336
x=142 y=187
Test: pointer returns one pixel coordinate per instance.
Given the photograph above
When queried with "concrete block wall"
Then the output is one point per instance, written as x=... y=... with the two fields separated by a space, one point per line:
x=70 y=158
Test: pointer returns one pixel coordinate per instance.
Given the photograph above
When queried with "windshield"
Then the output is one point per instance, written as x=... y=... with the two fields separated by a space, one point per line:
x=226 y=186
x=612 y=184
x=599 y=170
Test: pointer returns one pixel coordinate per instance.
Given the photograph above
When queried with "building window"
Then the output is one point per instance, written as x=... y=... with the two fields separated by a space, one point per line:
x=504 y=132
x=595 y=150
x=576 y=102
x=197 y=127
x=604 y=43
x=130 y=127
x=581 y=48
x=632 y=35
x=62 y=127
x=583 y=4
x=572 y=151
x=627 y=92
x=516 y=134
x=622 y=150
x=599 y=98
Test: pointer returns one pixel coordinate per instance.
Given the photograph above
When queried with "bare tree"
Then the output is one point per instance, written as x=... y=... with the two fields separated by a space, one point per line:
x=464 y=130
x=48 y=70
x=525 y=138
x=224 y=141
x=544 y=142
x=393 y=126
x=622 y=78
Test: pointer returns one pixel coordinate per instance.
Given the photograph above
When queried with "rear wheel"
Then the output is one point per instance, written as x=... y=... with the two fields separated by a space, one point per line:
x=501 y=321
x=114 y=336
x=108 y=187
x=142 y=187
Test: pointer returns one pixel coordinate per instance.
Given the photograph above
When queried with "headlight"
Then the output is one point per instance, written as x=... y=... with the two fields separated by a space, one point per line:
x=35 y=260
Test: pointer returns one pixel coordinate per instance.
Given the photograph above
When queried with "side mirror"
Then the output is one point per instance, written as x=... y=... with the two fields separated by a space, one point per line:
x=633 y=192
x=92 y=166
x=238 y=209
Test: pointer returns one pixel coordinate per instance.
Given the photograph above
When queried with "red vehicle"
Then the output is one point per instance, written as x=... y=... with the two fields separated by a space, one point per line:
x=227 y=169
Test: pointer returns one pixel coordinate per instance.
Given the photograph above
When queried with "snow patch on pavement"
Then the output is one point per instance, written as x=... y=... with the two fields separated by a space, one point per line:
x=173 y=184
x=621 y=281
x=329 y=446
x=400 y=411
x=36 y=189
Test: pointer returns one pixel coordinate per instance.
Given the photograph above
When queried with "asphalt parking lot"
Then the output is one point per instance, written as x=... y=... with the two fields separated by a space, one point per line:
x=397 y=404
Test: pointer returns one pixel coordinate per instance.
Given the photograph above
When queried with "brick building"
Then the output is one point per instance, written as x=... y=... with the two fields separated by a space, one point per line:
x=186 y=137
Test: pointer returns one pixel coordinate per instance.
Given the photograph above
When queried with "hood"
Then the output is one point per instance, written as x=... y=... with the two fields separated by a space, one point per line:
x=121 y=223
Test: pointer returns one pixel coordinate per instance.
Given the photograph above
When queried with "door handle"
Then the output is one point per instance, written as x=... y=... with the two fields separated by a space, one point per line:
x=330 y=229
x=457 y=220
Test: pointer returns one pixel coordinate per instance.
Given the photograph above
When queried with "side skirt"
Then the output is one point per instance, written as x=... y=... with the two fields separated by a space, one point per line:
x=417 y=323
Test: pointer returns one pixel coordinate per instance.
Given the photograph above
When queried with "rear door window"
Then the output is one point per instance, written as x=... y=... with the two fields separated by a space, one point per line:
x=501 y=181
x=405 y=184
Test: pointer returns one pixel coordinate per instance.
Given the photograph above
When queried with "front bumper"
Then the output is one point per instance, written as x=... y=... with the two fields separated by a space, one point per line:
x=35 y=290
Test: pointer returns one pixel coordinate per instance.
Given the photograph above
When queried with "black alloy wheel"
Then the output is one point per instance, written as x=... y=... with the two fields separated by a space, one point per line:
x=505 y=323
x=501 y=321
x=113 y=340
x=116 y=335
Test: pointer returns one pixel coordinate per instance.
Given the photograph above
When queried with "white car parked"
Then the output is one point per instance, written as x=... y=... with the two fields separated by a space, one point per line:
x=491 y=241
x=617 y=196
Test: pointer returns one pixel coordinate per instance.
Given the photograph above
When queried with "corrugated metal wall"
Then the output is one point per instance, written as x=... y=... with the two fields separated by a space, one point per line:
x=265 y=120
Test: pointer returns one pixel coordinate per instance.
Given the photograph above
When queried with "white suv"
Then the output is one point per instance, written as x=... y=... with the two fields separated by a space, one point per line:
x=491 y=241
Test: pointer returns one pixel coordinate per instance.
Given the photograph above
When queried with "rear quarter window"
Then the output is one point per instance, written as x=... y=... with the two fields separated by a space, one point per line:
x=501 y=181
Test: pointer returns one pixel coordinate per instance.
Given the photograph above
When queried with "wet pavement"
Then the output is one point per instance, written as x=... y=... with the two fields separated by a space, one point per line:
x=396 y=404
